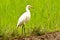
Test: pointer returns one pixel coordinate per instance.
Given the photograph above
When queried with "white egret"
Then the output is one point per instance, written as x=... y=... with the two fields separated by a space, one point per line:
x=25 y=17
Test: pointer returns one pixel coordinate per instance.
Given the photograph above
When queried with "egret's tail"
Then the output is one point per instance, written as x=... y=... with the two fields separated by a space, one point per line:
x=17 y=25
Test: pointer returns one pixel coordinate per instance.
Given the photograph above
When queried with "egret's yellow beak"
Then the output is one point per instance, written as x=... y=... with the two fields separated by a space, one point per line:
x=30 y=6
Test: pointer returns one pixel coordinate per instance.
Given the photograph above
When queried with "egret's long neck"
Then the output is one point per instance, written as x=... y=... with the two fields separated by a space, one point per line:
x=27 y=9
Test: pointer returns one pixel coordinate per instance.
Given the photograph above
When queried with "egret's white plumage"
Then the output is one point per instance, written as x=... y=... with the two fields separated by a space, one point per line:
x=25 y=17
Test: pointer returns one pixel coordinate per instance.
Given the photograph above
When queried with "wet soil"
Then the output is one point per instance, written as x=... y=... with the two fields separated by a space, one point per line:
x=46 y=36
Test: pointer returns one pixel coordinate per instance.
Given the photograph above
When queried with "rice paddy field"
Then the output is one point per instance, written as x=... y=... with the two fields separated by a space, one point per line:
x=45 y=16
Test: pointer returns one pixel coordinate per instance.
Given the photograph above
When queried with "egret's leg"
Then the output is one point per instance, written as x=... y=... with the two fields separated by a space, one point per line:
x=22 y=29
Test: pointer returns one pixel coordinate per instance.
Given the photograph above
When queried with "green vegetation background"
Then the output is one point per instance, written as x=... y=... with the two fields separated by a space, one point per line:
x=45 y=15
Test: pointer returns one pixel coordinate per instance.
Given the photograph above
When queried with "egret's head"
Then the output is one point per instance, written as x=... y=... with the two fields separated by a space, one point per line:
x=28 y=6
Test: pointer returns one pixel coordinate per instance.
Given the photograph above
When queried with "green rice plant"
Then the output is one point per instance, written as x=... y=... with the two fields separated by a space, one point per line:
x=45 y=15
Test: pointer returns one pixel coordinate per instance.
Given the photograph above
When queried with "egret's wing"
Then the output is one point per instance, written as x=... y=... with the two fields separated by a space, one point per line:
x=21 y=19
